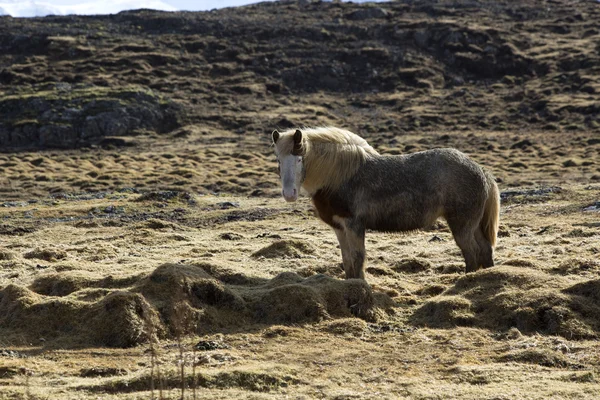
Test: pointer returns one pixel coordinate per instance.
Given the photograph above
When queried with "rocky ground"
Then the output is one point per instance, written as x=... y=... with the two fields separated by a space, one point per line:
x=141 y=226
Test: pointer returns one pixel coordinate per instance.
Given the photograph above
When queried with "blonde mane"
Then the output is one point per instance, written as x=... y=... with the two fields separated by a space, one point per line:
x=331 y=155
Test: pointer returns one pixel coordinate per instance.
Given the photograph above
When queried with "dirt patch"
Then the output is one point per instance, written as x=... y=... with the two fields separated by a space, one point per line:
x=95 y=372
x=230 y=236
x=522 y=196
x=258 y=214
x=10 y=372
x=158 y=224
x=6 y=229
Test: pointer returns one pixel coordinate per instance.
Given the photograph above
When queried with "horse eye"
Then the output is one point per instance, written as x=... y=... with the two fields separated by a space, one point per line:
x=299 y=160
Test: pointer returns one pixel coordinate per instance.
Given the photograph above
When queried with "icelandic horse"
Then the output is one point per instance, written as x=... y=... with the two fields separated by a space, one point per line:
x=353 y=188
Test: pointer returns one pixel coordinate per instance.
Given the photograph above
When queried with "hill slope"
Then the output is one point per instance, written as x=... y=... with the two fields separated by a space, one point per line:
x=388 y=68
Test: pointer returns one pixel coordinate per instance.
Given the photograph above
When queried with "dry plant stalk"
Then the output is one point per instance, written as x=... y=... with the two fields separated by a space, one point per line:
x=195 y=378
x=181 y=325
x=154 y=365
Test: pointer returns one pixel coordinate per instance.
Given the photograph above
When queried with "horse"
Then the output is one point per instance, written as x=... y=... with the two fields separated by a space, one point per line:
x=354 y=188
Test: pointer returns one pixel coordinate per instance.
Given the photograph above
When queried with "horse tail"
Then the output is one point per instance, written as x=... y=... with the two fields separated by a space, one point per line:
x=491 y=213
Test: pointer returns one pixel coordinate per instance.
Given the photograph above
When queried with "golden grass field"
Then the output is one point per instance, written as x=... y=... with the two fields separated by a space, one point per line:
x=248 y=290
x=146 y=251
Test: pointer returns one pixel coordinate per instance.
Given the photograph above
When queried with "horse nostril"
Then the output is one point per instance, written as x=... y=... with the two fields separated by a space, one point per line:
x=294 y=192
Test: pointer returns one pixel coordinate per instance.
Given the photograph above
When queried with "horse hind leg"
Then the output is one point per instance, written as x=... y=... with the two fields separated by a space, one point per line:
x=486 y=251
x=464 y=236
x=468 y=246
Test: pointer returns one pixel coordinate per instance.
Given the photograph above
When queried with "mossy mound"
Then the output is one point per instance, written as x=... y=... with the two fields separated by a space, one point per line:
x=61 y=284
x=292 y=299
x=46 y=254
x=64 y=283
x=544 y=357
x=175 y=299
x=254 y=380
x=62 y=115
x=285 y=248
x=412 y=265
x=577 y=266
x=6 y=255
x=345 y=326
x=121 y=319
x=504 y=297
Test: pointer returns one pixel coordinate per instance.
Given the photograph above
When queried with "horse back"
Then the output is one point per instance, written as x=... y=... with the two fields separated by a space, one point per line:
x=407 y=192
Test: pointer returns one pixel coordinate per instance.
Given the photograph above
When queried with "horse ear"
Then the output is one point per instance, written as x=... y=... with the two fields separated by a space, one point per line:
x=275 y=135
x=297 y=150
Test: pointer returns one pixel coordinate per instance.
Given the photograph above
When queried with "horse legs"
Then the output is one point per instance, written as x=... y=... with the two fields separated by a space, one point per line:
x=486 y=251
x=356 y=242
x=464 y=235
x=352 y=244
x=468 y=246
x=346 y=261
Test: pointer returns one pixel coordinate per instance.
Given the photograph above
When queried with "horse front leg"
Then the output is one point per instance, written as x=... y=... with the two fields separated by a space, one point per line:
x=346 y=261
x=354 y=260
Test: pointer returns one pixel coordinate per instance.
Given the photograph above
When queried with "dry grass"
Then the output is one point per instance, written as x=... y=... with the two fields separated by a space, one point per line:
x=121 y=269
x=128 y=271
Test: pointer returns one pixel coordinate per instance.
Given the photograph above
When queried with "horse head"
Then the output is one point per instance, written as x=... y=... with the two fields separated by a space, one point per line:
x=290 y=155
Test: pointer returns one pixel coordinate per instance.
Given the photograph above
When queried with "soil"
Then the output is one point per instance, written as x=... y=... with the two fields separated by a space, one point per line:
x=142 y=230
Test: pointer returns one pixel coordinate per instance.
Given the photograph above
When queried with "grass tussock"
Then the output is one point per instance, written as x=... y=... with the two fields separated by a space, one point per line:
x=505 y=297
x=174 y=300
x=50 y=255
x=252 y=380
x=543 y=357
x=285 y=248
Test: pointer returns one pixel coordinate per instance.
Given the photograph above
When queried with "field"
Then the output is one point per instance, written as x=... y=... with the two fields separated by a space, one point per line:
x=145 y=246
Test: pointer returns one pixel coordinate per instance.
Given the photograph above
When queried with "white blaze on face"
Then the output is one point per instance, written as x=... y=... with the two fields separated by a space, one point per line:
x=291 y=176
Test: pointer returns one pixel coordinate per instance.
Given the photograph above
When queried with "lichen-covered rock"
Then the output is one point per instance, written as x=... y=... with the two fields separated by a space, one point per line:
x=68 y=116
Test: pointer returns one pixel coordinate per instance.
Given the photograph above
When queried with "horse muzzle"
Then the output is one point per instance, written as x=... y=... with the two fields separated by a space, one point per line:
x=290 y=195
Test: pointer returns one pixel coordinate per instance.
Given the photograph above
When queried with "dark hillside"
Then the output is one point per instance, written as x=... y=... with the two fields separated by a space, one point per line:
x=395 y=67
